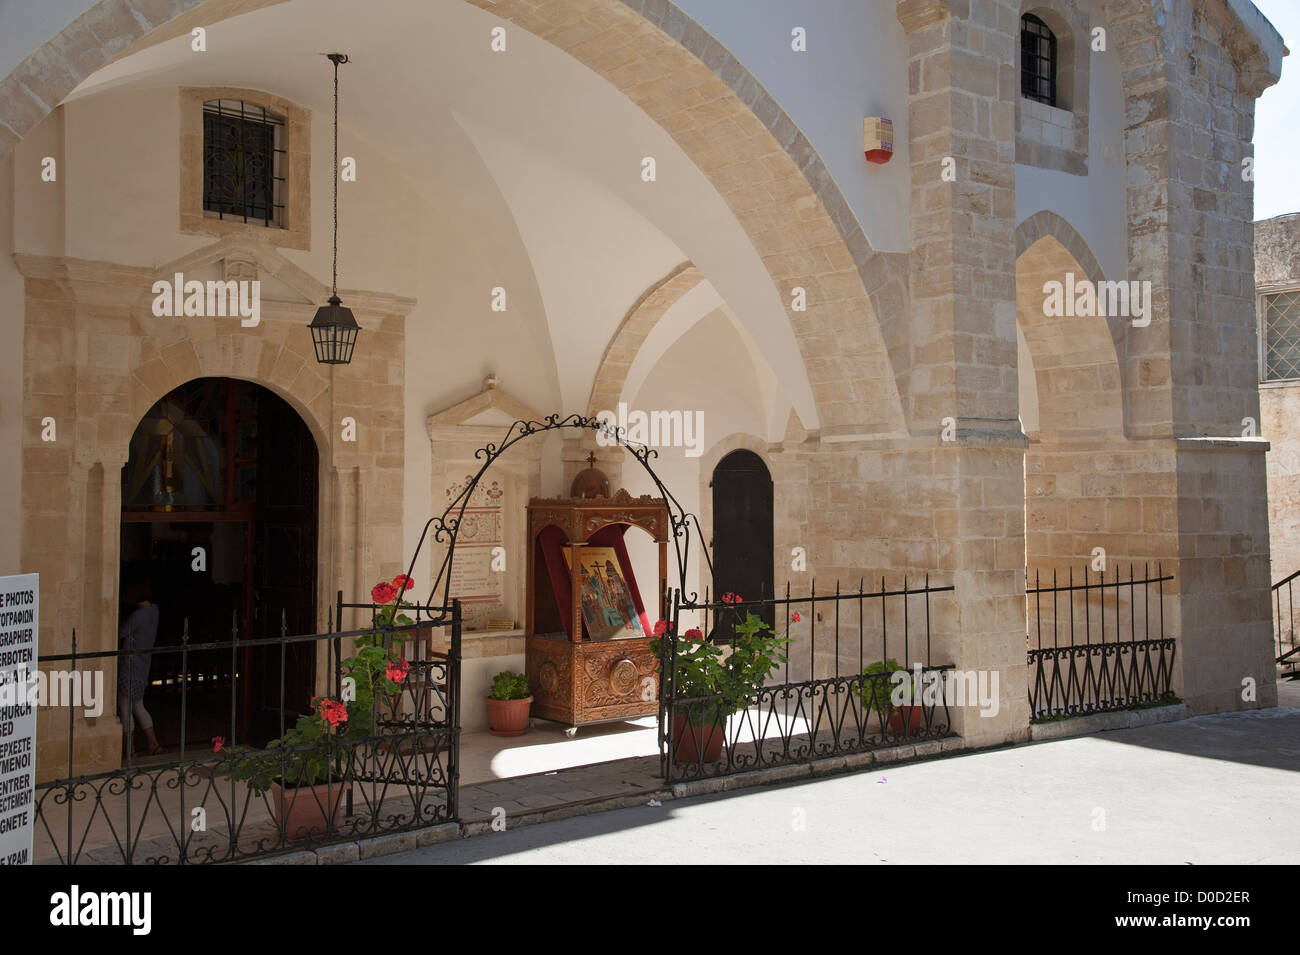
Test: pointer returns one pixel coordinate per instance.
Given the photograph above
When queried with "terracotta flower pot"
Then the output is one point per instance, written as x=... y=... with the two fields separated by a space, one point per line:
x=694 y=744
x=508 y=717
x=307 y=812
x=907 y=719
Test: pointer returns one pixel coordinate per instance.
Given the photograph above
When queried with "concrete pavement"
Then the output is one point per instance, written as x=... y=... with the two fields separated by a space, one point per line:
x=1213 y=789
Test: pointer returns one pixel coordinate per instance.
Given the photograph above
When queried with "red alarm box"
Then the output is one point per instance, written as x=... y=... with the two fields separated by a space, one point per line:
x=878 y=139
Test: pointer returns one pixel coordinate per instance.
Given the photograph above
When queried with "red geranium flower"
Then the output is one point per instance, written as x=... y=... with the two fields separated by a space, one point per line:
x=332 y=712
x=402 y=582
x=217 y=743
x=694 y=634
x=731 y=599
x=661 y=628
x=795 y=616
x=396 y=670
x=383 y=592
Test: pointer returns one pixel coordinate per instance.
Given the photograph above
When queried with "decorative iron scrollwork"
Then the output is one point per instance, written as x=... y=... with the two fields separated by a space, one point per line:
x=444 y=528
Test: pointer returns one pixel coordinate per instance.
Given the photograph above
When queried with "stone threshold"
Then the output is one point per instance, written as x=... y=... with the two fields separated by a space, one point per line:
x=1100 y=722
x=482 y=824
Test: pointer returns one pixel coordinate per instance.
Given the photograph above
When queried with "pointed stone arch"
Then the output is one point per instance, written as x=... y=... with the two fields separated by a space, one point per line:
x=631 y=333
x=1077 y=360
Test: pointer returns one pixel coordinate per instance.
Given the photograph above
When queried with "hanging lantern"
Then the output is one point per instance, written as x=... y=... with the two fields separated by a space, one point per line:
x=334 y=333
x=334 y=329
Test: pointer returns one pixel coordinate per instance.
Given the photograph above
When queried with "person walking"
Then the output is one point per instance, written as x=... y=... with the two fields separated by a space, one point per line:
x=139 y=630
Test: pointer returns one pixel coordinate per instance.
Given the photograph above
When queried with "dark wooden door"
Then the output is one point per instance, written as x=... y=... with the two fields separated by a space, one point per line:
x=742 y=534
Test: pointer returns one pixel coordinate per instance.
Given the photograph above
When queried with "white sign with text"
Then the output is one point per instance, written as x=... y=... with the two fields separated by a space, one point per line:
x=19 y=620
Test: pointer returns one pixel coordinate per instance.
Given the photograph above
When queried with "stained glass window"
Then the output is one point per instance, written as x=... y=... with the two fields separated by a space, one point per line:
x=175 y=458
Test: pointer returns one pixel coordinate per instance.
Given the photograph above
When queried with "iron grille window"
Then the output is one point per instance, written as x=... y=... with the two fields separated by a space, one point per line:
x=243 y=162
x=1282 y=335
x=1037 y=60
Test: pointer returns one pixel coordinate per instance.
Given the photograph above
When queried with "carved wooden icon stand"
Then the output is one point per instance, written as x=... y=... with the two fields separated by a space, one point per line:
x=574 y=679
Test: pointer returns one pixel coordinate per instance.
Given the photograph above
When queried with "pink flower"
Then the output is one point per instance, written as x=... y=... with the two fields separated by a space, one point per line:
x=383 y=592
x=396 y=670
x=402 y=582
x=217 y=743
x=661 y=628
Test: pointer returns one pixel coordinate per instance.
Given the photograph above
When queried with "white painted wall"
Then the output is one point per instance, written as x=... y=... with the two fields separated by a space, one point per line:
x=708 y=369
x=855 y=66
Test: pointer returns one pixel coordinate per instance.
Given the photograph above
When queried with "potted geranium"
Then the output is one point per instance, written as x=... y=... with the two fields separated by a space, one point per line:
x=878 y=692
x=716 y=683
x=509 y=704
x=305 y=770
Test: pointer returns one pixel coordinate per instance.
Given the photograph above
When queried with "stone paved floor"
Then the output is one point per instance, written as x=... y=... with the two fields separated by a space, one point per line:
x=486 y=758
x=621 y=777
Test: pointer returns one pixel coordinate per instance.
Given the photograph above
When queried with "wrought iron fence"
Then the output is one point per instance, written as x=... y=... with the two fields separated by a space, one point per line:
x=1091 y=643
x=1284 y=624
x=833 y=689
x=231 y=801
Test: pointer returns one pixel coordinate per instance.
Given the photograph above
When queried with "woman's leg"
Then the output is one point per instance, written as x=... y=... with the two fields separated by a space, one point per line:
x=128 y=708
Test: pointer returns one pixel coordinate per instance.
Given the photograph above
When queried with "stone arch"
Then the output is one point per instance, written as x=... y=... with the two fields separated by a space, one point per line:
x=143 y=395
x=644 y=314
x=769 y=173
x=279 y=359
x=1076 y=359
x=736 y=441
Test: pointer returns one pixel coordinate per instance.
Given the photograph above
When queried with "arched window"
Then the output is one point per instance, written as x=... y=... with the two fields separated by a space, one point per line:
x=1038 y=60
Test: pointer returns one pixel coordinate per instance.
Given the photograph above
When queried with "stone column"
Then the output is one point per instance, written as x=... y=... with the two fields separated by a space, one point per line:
x=964 y=387
x=1192 y=377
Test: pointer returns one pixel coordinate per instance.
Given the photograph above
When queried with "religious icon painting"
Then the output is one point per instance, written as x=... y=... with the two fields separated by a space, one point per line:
x=608 y=609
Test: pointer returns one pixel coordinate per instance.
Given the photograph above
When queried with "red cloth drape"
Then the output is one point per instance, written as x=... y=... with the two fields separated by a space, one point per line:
x=553 y=541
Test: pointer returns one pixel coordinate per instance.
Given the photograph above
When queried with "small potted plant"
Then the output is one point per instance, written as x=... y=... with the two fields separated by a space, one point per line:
x=699 y=727
x=878 y=693
x=717 y=683
x=508 y=704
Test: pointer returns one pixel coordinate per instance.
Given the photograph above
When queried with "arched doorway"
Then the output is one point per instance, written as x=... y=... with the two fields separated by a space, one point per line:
x=742 y=533
x=219 y=514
